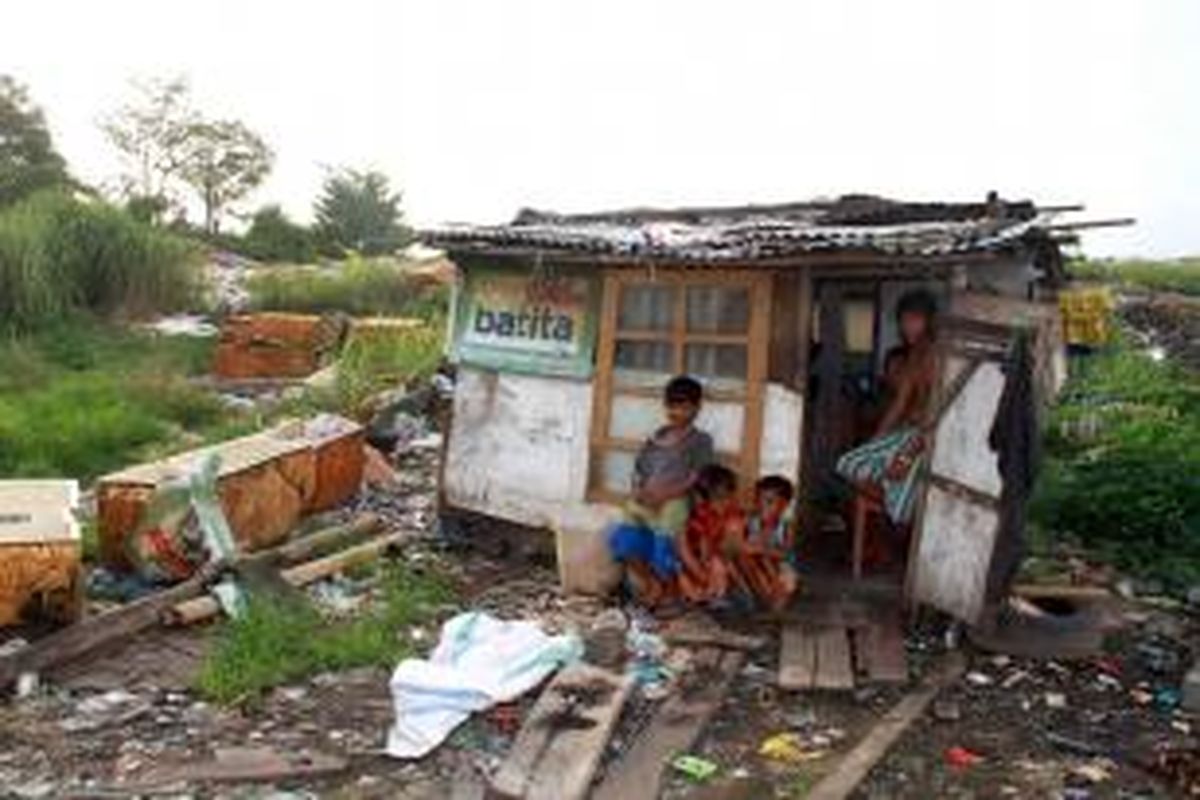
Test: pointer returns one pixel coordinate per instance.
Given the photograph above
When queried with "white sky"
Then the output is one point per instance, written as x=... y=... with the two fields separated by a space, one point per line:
x=478 y=108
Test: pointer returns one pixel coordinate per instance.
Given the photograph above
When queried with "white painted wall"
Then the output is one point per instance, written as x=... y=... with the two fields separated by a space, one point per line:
x=783 y=421
x=518 y=446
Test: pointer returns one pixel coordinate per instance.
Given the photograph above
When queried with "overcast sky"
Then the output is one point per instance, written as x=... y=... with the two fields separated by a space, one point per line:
x=476 y=109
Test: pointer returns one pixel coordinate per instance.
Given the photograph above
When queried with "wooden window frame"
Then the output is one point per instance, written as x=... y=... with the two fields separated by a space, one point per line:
x=756 y=339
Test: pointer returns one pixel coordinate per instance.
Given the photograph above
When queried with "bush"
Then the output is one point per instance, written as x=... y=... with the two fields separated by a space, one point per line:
x=58 y=255
x=274 y=237
x=1122 y=474
x=1179 y=275
x=359 y=287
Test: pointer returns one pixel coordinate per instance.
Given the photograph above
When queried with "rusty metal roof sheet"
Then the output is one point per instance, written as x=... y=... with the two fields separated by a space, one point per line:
x=858 y=224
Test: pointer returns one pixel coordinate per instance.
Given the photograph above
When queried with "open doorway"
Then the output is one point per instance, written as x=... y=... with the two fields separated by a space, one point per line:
x=855 y=347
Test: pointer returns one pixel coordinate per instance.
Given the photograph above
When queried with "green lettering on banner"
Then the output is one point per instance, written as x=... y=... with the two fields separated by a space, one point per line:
x=519 y=319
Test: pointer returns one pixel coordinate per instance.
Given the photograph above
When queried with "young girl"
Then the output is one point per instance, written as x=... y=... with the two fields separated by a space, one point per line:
x=714 y=529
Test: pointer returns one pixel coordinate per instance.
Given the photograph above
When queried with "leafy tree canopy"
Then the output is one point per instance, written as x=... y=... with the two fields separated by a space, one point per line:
x=357 y=210
x=28 y=160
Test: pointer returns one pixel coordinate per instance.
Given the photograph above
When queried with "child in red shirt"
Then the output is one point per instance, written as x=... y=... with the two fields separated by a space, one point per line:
x=714 y=528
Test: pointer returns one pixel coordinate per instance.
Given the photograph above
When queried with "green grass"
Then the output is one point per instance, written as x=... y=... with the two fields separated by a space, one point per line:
x=59 y=255
x=1122 y=472
x=275 y=642
x=80 y=398
x=1177 y=275
x=372 y=364
x=358 y=287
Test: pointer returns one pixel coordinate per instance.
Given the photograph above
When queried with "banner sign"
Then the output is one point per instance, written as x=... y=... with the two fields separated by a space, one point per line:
x=526 y=321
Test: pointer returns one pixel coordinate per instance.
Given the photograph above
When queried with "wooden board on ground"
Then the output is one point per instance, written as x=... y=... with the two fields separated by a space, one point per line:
x=674 y=729
x=880 y=648
x=797 y=657
x=835 y=670
x=855 y=765
x=559 y=747
x=699 y=629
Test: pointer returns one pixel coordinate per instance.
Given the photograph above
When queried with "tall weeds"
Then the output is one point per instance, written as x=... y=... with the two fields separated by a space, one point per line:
x=59 y=254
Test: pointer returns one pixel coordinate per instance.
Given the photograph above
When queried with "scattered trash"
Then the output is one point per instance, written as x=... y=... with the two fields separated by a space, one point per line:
x=1013 y=679
x=1158 y=659
x=13 y=645
x=193 y=325
x=946 y=710
x=1096 y=771
x=961 y=758
x=979 y=679
x=28 y=684
x=695 y=768
x=604 y=642
x=1191 y=690
x=1167 y=698
x=1074 y=745
x=791 y=748
x=114 y=707
x=479 y=661
x=1055 y=700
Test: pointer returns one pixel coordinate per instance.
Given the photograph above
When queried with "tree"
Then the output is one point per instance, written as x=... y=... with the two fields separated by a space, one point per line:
x=274 y=237
x=223 y=161
x=28 y=160
x=151 y=134
x=358 y=211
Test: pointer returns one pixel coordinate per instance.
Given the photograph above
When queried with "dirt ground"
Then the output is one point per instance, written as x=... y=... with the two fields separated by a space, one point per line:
x=1105 y=727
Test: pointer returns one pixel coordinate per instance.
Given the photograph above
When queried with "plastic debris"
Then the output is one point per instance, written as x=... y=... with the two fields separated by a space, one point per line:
x=961 y=758
x=979 y=679
x=695 y=768
x=792 y=748
x=1167 y=698
x=1055 y=700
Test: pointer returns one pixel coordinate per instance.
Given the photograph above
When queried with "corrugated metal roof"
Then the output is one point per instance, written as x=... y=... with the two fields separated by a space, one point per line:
x=857 y=224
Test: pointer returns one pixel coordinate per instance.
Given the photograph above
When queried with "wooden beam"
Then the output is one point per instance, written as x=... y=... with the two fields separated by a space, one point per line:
x=797 y=657
x=856 y=764
x=563 y=739
x=674 y=729
x=203 y=608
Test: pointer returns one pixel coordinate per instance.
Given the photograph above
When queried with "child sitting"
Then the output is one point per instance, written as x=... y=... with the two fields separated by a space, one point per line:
x=714 y=529
x=663 y=475
x=767 y=560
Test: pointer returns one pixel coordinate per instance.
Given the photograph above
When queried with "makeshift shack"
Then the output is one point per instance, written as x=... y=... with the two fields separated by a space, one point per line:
x=566 y=327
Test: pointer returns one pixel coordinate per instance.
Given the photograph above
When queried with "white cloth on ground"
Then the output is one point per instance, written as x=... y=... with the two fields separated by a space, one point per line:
x=478 y=662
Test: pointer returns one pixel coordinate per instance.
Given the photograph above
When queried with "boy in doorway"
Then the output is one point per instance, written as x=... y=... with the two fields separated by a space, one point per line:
x=664 y=473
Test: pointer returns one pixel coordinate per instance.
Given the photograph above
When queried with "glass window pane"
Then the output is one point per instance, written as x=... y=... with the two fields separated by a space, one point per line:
x=858 y=319
x=643 y=356
x=614 y=470
x=716 y=361
x=643 y=307
x=718 y=309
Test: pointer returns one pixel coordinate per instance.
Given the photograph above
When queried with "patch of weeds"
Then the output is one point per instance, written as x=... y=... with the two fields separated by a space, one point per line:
x=276 y=642
x=370 y=364
x=1175 y=275
x=359 y=287
x=1122 y=470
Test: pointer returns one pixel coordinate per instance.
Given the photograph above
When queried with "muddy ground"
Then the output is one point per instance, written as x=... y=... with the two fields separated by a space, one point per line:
x=1104 y=727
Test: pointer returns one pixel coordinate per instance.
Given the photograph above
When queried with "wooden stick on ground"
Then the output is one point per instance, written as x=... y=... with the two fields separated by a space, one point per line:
x=305 y=547
x=855 y=765
x=93 y=633
x=202 y=608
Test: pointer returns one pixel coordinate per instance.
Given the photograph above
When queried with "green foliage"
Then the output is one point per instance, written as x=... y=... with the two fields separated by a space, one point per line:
x=58 y=254
x=28 y=160
x=276 y=642
x=1179 y=275
x=357 y=211
x=274 y=237
x=79 y=398
x=372 y=364
x=1122 y=475
x=360 y=287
